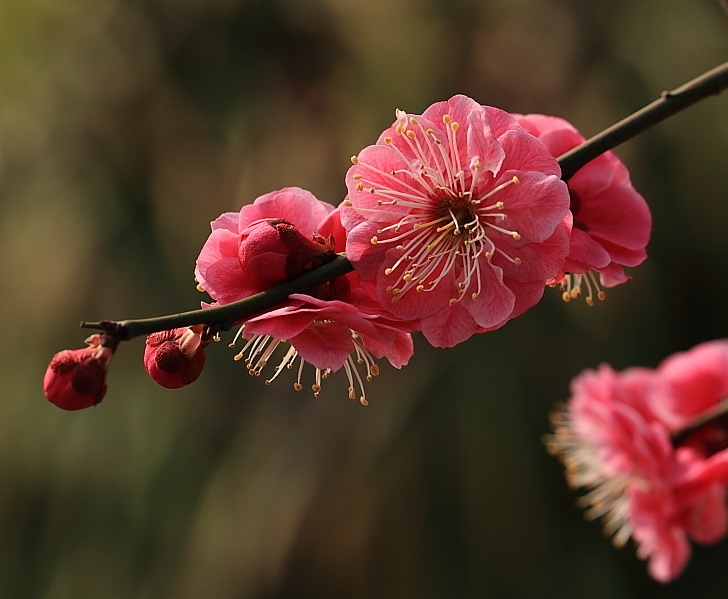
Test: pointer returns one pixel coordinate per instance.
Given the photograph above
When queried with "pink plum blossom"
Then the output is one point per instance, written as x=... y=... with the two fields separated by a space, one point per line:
x=611 y=220
x=76 y=378
x=335 y=326
x=651 y=455
x=175 y=358
x=456 y=219
x=266 y=243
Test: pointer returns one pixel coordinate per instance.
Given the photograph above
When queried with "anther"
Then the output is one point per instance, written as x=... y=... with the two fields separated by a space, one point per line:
x=354 y=160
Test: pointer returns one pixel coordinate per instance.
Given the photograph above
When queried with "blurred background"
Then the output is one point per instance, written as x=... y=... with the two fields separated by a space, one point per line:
x=126 y=126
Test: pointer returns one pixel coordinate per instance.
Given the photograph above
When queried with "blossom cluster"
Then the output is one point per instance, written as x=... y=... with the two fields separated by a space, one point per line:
x=650 y=447
x=456 y=220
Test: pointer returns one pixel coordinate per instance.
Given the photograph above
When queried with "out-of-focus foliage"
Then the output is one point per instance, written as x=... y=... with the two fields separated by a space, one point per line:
x=127 y=125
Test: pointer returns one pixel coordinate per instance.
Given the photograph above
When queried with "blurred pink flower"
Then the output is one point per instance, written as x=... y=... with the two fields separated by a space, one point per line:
x=455 y=219
x=76 y=378
x=611 y=221
x=175 y=358
x=645 y=478
x=335 y=326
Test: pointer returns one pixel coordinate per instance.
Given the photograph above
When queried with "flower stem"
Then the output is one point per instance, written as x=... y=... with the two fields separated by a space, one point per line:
x=717 y=416
x=669 y=103
x=224 y=317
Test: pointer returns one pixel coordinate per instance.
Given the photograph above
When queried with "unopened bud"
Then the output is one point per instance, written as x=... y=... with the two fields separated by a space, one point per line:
x=175 y=358
x=275 y=250
x=76 y=378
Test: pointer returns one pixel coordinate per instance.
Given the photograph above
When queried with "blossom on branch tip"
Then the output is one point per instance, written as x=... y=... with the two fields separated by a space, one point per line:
x=333 y=326
x=175 y=358
x=76 y=378
x=611 y=220
x=456 y=219
x=651 y=455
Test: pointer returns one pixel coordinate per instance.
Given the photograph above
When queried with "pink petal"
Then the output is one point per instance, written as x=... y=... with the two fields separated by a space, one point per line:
x=495 y=303
x=222 y=243
x=325 y=345
x=501 y=121
x=281 y=323
x=619 y=215
x=708 y=516
x=228 y=221
x=585 y=254
x=447 y=328
x=392 y=344
x=539 y=261
x=298 y=206
x=482 y=145
x=526 y=153
x=536 y=194
x=225 y=282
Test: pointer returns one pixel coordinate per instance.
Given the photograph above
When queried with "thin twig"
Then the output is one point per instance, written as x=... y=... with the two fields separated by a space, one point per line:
x=717 y=415
x=224 y=317
x=669 y=103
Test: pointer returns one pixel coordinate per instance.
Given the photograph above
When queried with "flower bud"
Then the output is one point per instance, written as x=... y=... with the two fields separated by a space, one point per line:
x=175 y=358
x=274 y=250
x=76 y=378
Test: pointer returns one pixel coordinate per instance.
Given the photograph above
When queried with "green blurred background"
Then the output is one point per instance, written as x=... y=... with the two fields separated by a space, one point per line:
x=126 y=126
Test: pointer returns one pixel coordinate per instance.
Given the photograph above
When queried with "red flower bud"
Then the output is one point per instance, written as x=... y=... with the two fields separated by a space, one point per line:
x=76 y=378
x=175 y=358
x=274 y=250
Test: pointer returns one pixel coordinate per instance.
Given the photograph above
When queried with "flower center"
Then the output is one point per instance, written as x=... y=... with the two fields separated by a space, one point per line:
x=447 y=222
x=438 y=244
